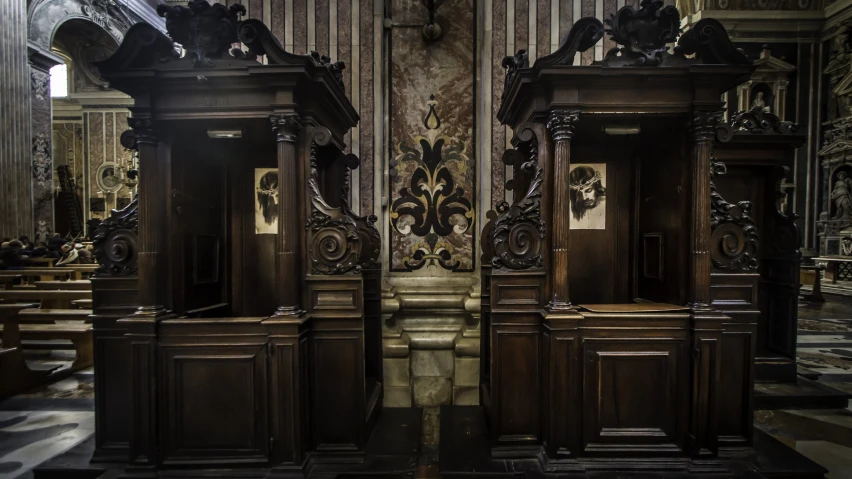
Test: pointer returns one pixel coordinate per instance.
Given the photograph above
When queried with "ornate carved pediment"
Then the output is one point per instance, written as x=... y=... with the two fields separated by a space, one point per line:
x=642 y=36
x=206 y=31
x=115 y=242
x=518 y=233
x=644 y=33
x=759 y=121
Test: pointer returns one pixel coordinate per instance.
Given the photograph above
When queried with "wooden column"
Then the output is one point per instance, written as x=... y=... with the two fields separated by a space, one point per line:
x=703 y=129
x=153 y=274
x=287 y=127
x=561 y=126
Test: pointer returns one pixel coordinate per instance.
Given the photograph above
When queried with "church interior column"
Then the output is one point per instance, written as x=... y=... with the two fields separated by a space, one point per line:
x=16 y=197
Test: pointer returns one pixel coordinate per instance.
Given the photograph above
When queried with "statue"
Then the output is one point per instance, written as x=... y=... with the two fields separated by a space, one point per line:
x=842 y=197
x=759 y=102
x=846 y=246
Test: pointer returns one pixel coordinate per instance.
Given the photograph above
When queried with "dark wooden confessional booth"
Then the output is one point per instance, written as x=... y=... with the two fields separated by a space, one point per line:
x=256 y=344
x=622 y=302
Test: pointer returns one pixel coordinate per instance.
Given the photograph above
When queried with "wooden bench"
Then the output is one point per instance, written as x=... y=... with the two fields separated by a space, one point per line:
x=74 y=285
x=42 y=274
x=82 y=303
x=10 y=280
x=80 y=335
x=51 y=316
x=80 y=270
x=812 y=276
x=15 y=375
x=47 y=298
x=41 y=262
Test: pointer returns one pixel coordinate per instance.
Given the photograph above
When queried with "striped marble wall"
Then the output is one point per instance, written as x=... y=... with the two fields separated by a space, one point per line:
x=345 y=30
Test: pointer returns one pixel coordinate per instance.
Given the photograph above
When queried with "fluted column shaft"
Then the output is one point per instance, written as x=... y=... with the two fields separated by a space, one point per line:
x=286 y=128
x=16 y=201
x=561 y=126
x=703 y=129
x=152 y=219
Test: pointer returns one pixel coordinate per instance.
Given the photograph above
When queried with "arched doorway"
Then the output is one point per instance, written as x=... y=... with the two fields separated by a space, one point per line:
x=66 y=130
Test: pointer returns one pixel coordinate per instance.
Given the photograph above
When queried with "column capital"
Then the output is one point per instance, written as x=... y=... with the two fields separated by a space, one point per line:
x=562 y=123
x=143 y=131
x=286 y=126
x=704 y=125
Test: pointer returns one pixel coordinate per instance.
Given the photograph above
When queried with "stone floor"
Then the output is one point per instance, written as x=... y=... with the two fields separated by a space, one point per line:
x=47 y=421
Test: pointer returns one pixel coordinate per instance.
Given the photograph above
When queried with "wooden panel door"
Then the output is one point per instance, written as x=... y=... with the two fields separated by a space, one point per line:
x=214 y=402
x=633 y=396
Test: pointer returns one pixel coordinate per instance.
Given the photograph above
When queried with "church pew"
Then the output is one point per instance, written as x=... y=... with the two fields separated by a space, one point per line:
x=80 y=336
x=15 y=375
x=10 y=280
x=47 y=298
x=73 y=285
x=82 y=303
x=42 y=274
x=41 y=262
x=80 y=270
x=51 y=316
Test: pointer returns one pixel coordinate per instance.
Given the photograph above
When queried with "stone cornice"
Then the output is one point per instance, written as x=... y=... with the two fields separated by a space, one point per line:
x=763 y=26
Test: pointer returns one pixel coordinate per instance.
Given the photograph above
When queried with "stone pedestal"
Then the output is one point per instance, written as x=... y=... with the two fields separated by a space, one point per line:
x=431 y=342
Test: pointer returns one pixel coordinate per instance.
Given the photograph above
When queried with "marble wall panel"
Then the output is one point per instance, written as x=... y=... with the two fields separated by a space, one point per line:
x=431 y=137
x=42 y=157
x=365 y=126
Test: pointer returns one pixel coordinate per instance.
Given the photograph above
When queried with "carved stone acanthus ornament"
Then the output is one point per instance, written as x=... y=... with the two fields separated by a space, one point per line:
x=42 y=162
x=206 y=31
x=286 y=126
x=759 y=121
x=518 y=233
x=562 y=123
x=115 y=242
x=40 y=82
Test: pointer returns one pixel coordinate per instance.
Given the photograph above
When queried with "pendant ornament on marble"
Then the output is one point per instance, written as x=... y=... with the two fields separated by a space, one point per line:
x=432 y=206
x=42 y=163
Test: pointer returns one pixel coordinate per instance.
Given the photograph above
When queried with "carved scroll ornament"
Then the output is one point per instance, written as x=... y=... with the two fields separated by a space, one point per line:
x=517 y=237
x=115 y=242
x=734 y=238
x=759 y=121
x=334 y=237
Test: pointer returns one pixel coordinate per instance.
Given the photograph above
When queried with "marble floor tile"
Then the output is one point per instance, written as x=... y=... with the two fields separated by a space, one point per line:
x=28 y=438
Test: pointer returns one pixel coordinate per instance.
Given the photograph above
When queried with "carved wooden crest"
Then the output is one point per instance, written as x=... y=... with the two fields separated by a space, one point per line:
x=206 y=31
x=518 y=233
x=758 y=121
x=644 y=33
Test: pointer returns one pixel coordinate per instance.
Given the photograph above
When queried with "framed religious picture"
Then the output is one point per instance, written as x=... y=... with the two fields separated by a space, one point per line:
x=266 y=200
x=588 y=196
